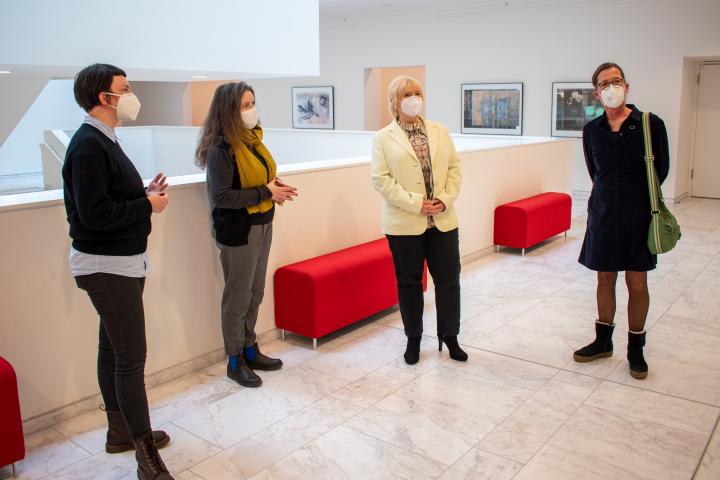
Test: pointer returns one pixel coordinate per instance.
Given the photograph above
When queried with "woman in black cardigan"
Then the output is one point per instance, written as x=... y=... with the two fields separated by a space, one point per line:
x=109 y=211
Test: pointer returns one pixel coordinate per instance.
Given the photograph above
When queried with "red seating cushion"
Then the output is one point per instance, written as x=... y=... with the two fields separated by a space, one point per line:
x=12 y=443
x=526 y=222
x=317 y=296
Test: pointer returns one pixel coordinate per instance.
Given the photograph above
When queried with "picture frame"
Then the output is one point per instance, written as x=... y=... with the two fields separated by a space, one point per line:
x=573 y=105
x=313 y=107
x=492 y=108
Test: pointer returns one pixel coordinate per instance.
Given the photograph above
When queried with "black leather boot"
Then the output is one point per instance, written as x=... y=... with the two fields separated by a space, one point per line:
x=119 y=439
x=601 y=347
x=242 y=373
x=257 y=361
x=412 y=351
x=150 y=465
x=638 y=366
x=456 y=353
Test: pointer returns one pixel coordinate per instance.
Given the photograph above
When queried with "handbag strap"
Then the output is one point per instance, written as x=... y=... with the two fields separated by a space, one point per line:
x=653 y=182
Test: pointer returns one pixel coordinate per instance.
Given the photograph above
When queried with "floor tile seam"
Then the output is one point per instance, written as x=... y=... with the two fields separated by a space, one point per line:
x=195 y=408
x=410 y=452
x=673 y=327
x=654 y=422
x=648 y=389
x=560 y=427
x=522 y=404
x=244 y=439
x=202 y=440
x=52 y=473
x=301 y=444
x=514 y=358
x=194 y=473
x=707 y=447
x=336 y=377
x=408 y=382
x=495 y=381
x=536 y=331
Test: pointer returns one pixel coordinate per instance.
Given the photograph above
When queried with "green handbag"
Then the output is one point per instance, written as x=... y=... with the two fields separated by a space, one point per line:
x=664 y=230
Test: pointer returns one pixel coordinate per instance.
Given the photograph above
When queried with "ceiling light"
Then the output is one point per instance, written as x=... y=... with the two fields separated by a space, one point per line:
x=5 y=72
x=199 y=77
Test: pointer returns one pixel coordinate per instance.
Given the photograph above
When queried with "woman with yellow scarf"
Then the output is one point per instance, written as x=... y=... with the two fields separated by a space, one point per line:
x=242 y=188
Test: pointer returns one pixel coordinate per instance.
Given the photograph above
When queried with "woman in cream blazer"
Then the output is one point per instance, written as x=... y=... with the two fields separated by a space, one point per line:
x=417 y=171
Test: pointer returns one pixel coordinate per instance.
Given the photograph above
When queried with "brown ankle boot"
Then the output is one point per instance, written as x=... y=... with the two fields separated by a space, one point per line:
x=119 y=439
x=150 y=465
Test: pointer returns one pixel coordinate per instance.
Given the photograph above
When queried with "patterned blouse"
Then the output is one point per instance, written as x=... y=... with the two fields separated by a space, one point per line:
x=418 y=139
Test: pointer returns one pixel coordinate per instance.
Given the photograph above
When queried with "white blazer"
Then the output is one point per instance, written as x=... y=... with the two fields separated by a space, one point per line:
x=397 y=175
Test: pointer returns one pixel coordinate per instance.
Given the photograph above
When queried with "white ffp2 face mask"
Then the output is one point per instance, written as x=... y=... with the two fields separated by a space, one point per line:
x=128 y=106
x=250 y=117
x=612 y=96
x=411 y=106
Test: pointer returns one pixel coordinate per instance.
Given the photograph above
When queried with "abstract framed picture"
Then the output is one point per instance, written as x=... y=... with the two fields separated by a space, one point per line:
x=573 y=105
x=492 y=108
x=312 y=107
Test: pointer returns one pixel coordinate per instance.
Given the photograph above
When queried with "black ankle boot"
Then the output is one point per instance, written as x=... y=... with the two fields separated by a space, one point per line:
x=412 y=351
x=257 y=361
x=601 y=347
x=119 y=439
x=242 y=373
x=456 y=353
x=638 y=366
x=150 y=465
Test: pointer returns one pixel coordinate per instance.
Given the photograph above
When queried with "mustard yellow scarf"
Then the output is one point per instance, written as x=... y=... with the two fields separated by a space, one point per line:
x=252 y=172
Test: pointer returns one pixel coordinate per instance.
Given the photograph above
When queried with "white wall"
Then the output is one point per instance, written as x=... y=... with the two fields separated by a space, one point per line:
x=17 y=93
x=536 y=46
x=54 y=108
x=162 y=39
x=163 y=103
x=49 y=329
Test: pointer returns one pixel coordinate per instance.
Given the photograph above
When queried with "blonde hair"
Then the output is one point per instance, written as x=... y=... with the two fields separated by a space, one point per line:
x=397 y=88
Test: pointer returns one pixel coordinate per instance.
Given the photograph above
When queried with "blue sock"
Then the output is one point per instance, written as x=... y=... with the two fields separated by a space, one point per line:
x=249 y=353
x=232 y=362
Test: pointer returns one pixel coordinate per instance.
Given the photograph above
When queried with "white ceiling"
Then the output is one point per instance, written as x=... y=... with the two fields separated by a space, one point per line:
x=347 y=9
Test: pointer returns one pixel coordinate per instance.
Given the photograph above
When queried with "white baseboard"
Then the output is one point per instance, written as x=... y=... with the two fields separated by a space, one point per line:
x=471 y=257
x=580 y=195
x=678 y=199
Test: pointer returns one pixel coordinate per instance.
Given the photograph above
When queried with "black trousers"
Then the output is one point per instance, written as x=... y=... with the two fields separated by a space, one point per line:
x=442 y=252
x=122 y=348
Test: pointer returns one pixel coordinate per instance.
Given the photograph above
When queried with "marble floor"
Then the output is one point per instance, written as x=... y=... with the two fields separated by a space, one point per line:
x=520 y=408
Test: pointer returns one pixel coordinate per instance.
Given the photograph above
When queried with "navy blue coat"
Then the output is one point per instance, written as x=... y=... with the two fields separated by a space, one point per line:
x=619 y=205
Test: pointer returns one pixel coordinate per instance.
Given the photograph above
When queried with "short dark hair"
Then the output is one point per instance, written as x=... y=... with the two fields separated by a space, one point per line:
x=606 y=66
x=91 y=81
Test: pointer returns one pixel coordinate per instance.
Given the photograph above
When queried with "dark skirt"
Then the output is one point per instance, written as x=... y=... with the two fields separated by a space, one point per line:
x=615 y=241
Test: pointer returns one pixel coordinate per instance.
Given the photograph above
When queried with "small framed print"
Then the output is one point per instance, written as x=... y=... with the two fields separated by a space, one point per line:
x=573 y=105
x=492 y=108
x=312 y=107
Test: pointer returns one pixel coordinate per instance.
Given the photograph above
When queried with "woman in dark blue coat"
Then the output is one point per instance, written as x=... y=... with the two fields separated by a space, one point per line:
x=619 y=212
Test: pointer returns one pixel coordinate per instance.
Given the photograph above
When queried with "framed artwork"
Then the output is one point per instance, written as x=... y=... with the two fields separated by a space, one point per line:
x=312 y=107
x=573 y=105
x=492 y=108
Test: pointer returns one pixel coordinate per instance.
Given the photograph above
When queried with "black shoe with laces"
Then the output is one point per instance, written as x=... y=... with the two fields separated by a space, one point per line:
x=150 y=465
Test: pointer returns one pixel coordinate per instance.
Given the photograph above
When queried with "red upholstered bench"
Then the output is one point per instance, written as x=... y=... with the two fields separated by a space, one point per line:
x=320 y=295
x=12 y=444
x=529 y=221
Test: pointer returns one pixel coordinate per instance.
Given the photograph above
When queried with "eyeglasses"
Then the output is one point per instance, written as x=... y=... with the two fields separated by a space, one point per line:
x=615 y=82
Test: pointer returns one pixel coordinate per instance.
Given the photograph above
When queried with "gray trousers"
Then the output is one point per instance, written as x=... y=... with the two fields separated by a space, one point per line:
x=244 y=269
